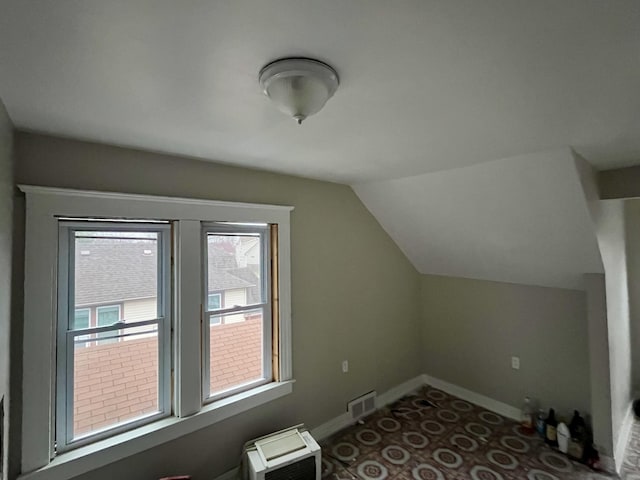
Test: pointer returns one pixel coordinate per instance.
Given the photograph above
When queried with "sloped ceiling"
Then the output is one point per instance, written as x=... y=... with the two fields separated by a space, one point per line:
x=521 y=220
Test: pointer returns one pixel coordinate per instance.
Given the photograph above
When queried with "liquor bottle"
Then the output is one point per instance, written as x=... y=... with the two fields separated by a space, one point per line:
x=526 y=424
x=578 y=430
x=578 y=427
x=550 y=429
x=540 y=422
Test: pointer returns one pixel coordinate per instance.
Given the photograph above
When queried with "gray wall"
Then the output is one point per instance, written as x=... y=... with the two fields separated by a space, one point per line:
x=6 y=232
x=472 y=328
x=354 y=294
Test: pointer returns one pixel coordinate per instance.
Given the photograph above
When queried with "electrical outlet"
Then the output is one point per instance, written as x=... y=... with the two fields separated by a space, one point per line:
x=345 y=366
x=515 y=363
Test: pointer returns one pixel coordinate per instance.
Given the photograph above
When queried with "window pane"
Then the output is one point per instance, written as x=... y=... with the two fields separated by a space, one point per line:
x=234 y=268
x=115 y=372
x=235 y=350
x=215 y=301
x=81 y=319
x=108 y=315
x=117 y=268
x=127 y=369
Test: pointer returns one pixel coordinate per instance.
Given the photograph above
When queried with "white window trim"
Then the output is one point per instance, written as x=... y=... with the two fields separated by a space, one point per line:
x=43 y=206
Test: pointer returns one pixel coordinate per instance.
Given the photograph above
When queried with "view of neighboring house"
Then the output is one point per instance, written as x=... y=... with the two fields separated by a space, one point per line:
x=116 y=279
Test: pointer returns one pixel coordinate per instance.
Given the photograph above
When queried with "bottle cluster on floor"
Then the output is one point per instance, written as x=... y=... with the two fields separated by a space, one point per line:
x=573 y=438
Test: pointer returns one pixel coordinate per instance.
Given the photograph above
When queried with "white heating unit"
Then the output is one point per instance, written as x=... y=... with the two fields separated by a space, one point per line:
x=290 y=454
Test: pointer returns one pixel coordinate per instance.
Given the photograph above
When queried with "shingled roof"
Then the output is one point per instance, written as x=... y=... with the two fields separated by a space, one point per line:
x=109 y=270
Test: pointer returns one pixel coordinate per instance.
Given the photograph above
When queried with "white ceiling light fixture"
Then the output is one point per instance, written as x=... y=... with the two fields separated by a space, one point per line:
x=299 y=86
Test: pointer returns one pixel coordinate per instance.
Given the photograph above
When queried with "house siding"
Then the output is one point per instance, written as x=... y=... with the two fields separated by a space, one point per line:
x=236 y=296
x=143 y=309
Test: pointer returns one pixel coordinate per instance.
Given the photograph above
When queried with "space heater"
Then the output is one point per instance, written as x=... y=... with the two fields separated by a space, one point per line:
x=290 y=454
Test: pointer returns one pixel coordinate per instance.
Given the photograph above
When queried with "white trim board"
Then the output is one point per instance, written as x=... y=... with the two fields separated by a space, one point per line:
x=344 y=420
x=489 y=403
x=623 y=438
x=399 y=391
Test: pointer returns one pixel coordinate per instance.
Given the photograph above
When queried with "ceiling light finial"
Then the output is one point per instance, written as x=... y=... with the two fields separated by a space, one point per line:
x=299 y=86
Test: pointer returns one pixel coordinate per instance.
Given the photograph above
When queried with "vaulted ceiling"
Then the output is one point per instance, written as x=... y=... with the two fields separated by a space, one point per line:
x=426 y=87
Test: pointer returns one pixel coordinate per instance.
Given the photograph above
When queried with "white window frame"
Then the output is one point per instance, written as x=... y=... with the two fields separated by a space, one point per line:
x=65 y=439
x=44 y=206
x=265 y=305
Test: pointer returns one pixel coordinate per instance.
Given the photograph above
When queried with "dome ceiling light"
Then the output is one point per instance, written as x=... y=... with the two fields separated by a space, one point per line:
x=299 y=86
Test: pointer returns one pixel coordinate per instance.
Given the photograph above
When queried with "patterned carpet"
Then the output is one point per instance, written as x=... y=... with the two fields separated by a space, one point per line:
x=453 y=439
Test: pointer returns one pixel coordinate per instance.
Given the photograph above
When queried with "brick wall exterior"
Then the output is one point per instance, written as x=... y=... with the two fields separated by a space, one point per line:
x=236 y=353
x=119 y=381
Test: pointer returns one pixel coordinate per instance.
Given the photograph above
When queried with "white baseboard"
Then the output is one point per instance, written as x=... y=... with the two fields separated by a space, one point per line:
x=623 y=438
x=399 y=391
x=473 y=397
x=332 y=426
x=344 y=420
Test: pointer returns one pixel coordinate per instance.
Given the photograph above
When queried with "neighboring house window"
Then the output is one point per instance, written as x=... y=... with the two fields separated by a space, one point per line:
x=106 y=316
x=110 y=386
x=237 y=356
x=130 y=292
x=214 y=301
x=82 y=319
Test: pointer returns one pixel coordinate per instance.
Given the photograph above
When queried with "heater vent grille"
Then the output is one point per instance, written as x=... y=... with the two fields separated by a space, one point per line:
x=362 y=406
x=304 y=469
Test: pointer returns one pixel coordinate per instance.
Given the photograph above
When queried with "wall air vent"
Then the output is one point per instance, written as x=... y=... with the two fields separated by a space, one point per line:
x=362 y=406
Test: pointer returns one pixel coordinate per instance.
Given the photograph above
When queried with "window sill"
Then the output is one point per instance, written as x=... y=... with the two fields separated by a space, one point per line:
x=103 y=452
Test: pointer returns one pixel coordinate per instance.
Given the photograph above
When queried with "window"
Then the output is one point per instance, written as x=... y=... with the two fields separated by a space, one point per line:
x=237 y=341
x=214 y=301
x=81 y=320
x=121 y=380
x=156 y=300
x=105 y=317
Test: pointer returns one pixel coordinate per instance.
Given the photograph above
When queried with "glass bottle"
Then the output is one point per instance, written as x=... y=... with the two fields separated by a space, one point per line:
x=551 y=434
x=526 y=424
x=540 y=421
